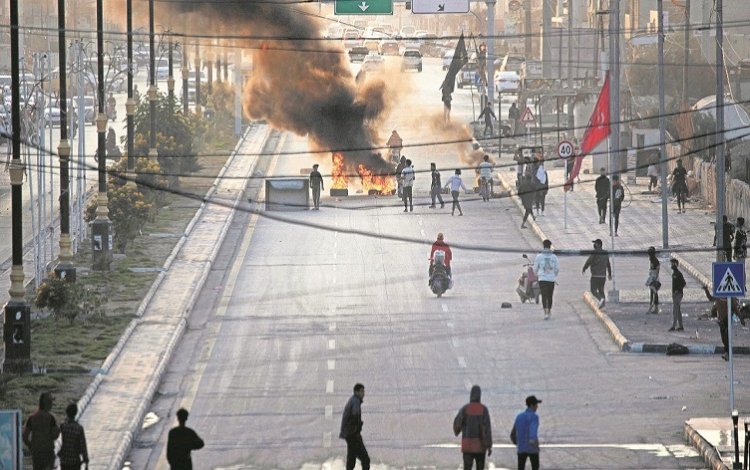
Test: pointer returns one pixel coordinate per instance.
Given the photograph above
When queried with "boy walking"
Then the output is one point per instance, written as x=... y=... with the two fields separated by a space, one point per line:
x=678 y=285
x=601 y=269
x=435 y=187
x=525 y=434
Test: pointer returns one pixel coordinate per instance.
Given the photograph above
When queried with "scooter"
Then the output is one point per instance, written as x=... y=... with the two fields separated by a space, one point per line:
x=440 y=281
x=528 y=283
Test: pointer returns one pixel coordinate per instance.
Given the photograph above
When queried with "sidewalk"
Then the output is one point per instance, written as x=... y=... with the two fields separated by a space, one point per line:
x=627 y=321
x=123 y=390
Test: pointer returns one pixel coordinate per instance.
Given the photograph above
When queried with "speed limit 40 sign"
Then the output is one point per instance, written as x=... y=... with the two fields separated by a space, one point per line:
x=564 y=149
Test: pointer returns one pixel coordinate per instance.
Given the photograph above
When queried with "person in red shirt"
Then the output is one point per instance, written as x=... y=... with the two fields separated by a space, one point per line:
x=441 y=246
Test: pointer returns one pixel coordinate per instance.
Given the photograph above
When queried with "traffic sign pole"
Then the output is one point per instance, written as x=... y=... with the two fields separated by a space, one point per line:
x=565 y=198
x=730 y=353
x=565 y=151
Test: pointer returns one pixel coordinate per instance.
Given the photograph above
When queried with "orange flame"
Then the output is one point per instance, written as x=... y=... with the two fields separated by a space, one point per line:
x=338 y=175
x=384 y=184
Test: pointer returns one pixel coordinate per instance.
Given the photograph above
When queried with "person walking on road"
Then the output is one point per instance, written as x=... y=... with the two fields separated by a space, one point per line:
x=601 y=270
x=446 y=107
x=527 y=191
x=542 y=184
x=488 y=115
x=316 y=183
x=73 y=451
x=679 y=186
x=720 y=311
x=652 y=282
x=727 y=237
x=399 y=180
x=678 y=285
x=525 y=434
x=180 y=442
x=351 y=430
x=40 y=432
x=513 y=116
x=455 y=183
x=473 y=423
x=435 y=187
x=740 y=240
x=601 y=187
x=407 y=176
x=547 y=267
x=653 y=177
x=618 y=195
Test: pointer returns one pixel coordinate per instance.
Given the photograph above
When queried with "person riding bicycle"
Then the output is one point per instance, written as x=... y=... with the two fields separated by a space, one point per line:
x=485 y=178
x=679 y=185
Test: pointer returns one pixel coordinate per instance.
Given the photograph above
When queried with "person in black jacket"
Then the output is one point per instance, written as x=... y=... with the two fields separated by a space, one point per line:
x=181 y=441
x=618 y=195
x=602 y=194
x=351 y=430
x=678 y=285
x=601 y=269
x=435 y=187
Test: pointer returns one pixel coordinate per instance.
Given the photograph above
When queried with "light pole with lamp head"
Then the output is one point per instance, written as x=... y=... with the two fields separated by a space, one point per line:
x=152 y=152
x=130 y=104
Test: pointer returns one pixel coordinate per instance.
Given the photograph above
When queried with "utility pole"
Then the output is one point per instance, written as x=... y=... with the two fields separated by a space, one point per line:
x=527 y=29
x=570 y=46
x=720 y=166
x=101 y=227
x=185 y=77
x=197 y=80
x=130 y=104
x=491 y=56
x=662 y=131
x=686 y=56
x=17 y=321
x=170 y=79
x=614 y=116
x=153 y=154
x=237 y=91
x=65 y=268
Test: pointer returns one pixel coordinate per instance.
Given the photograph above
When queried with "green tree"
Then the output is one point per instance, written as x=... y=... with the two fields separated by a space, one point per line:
x=68 y=300
x=128 y=211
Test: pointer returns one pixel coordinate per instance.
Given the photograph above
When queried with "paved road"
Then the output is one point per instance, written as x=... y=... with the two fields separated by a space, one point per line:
x=297 y=311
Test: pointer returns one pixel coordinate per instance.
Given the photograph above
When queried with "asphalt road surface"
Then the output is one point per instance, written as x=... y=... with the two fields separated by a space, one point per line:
x=298 y=310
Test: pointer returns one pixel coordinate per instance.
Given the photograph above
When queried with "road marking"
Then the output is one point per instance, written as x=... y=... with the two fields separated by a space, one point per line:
x=332 y=326
x=445 y=308
x=331 y=344
x=326 y=439
x=329 y=411
x=461 y=362
x=329 y=386
x=331 y=364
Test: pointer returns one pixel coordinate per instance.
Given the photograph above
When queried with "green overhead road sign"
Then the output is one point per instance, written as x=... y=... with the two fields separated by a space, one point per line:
x=364 y=7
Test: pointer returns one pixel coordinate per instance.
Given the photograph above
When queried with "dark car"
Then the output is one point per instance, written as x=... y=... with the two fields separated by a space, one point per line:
x=358 y=53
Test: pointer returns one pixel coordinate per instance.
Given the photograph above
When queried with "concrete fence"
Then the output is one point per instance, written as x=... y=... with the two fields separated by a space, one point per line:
x=737 y=194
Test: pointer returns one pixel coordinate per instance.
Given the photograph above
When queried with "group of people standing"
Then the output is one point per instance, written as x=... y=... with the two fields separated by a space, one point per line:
x=533 y=185
x=734 y=239
x=472 y=422
x=604 y=189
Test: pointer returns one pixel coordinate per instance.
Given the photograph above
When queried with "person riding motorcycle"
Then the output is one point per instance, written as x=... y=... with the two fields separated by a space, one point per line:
x=440 y=245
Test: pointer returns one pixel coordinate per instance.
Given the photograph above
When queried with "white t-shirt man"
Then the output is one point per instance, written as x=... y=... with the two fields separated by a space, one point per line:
x=407 y=174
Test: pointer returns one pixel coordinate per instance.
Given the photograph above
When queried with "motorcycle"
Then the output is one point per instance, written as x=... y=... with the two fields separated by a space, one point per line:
x=528 y=283
x=440 y=281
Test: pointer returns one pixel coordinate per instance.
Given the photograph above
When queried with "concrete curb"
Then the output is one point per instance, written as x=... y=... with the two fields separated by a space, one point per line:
x=114 y=354
x=710 y=454
x=614 y=331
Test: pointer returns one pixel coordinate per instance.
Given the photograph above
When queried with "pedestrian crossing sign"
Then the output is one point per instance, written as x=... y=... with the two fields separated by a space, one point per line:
x=729 y=279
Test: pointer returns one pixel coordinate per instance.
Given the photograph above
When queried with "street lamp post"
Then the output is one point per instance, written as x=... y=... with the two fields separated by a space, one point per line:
x=17 y=321
x=170 y=79
x=197 y=80
x=65 y=268
x=101 y=227
x=185 y=78
x=130 y=104
x=152 y=152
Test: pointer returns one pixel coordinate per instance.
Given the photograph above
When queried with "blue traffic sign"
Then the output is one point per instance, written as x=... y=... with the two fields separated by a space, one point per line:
x=729 y=279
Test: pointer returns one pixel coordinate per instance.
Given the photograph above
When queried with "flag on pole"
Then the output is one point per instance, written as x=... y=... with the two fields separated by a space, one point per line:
x=597 y=130
x=460 y=58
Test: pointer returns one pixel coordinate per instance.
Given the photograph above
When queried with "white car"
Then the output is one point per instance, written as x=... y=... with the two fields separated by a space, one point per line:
x=447 y=58
x=507 y=81
x=374 y=63
x=412 y=59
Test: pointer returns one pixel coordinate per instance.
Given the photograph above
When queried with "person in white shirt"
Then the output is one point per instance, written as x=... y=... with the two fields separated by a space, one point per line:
x=547 y=267
x=407 y=175
x=455 y=183
x=653 y=176
x=485 y=178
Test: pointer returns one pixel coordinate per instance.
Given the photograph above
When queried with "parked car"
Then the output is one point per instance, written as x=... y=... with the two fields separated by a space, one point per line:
x=374 y=63
x=372 y=45
x=407 y=31
x=507 y=82
x=428 y=45
x=358 y=53
x=412 y=59
x=51 y=116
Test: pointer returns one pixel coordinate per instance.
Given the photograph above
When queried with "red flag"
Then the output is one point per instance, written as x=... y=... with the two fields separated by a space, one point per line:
x=597 y=130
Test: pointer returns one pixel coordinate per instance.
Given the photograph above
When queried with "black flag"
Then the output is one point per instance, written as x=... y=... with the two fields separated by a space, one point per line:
x=460 y=58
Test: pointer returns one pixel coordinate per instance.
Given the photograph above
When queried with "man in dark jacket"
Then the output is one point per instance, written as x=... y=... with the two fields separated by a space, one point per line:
x=618 y=195
x=473 y=423
x=601 y=269
x=351 y=430
x=399 y=180
x=678 y=284
x=39 y=434
x=602 y=194
x=488 y=115
x=181 y=441
x=435 y=187
x=316 y=183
